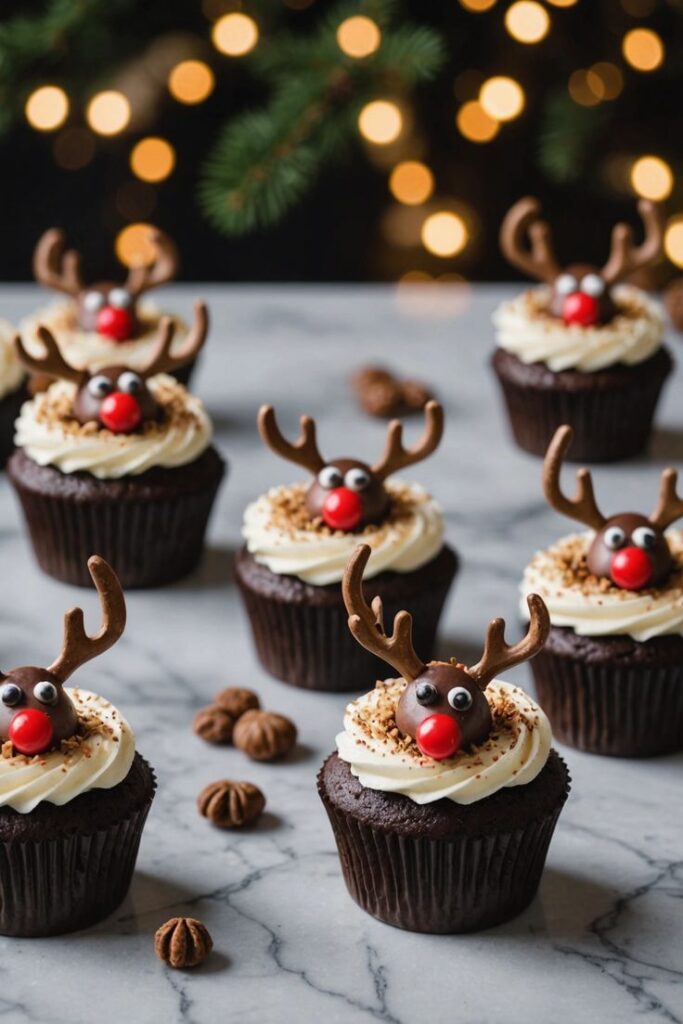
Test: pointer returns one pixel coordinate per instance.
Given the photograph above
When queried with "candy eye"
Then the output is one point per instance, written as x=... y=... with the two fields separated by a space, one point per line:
x=130 y=383
x=593 y=284
x=10 y=694
x=330 y=477
x=99 y=386
x=119 y=298
x=45 y=692
x=614 y=537
x=460 y=699
x=566 y=284
x=93 y=301
x=357 y=479
x=644 y=537
x=426 y=693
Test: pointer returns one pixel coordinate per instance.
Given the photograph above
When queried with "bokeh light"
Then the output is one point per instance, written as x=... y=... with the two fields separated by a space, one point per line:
x=643 y=49
x=108 y=112
x=527 y=21
x=673 y=240
x=235 y=34
x=191 y=81
x=380 y=122
x=652 y=178
x=74 y=148
x=586 y=87
x=444 y=233
x=475 y=124
x=611 y=77
x=502 y=98
x=411 y=182
x=47 y=108
x=563 y=3
x=152 y=159
x=358 y=36
x=477 y=5
x=134 y=245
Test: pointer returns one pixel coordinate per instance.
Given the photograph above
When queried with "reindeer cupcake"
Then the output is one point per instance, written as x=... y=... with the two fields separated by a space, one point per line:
x=116 y=460
x=611 y=674
x=585 y=348
x=298 y=539
x=444 y=791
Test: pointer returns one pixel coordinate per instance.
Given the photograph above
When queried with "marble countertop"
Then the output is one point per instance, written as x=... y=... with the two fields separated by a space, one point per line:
x=603 y=940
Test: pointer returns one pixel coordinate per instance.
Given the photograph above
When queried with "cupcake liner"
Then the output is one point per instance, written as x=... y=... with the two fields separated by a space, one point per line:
x=10 y=407
x=610 y=411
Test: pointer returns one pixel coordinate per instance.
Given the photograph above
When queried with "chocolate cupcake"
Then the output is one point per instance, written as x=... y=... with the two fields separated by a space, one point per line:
x=611 y=673
x=444 y=791
x=102 y=323
x=74 y=794
x=299 y=539
x=118 y=462
x=583 y=349
x=12 y=390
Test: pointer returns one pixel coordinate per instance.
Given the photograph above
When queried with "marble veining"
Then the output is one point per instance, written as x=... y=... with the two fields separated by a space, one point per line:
x=603 y=940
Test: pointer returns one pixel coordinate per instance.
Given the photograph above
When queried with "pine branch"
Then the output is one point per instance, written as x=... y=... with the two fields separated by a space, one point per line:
x=567 y=137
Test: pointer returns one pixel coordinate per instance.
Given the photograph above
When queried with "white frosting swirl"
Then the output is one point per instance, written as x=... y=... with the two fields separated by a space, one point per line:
x=524 y=329
x=100 y=760
x=596 y=607
x=46 y=434
x=11 y=371
x=88 y=350
x=407 y=540
x=514 y=754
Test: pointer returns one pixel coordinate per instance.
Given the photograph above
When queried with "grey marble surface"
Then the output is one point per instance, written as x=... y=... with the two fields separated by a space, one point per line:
x=603 y=940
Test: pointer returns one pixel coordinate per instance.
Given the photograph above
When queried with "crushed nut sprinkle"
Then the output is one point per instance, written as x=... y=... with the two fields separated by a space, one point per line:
x=288 y=512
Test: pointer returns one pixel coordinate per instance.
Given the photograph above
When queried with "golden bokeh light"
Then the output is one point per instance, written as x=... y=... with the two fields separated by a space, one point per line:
x=502 y=98
x=475 y=124
x=477 y=5
x=134 y=246
x=108 y=112
x=611 y=77
x=47 y=108
x=411 y=182
x=563 y=3
x=191 y=81
x=380 y=122
x=652 y=178
x=358 y=36
x=527 y=21
x=235 y=34
x=444 y=234
x=586 y=87
x=673 y=240
x=152 y=159
x=643 y=49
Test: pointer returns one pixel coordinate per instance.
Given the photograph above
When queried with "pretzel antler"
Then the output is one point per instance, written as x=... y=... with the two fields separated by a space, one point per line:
x=366 y=623
x=303 y=452
x=522 y=219
x=498 y=655
x=583 y=508
x=53 y=363
x=625 y=257
x=164 y=267
x=56 y=268
x=670 y=506
x=162 y=361
x=78 y=647
x=395 y=456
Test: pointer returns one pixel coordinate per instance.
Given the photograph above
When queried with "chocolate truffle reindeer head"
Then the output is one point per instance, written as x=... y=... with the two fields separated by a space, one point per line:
x=580 y=292
x=348 y=494
x=107 y=308
x=630 y=549
x=116 y=397
x=443 y=707
x=36 y=712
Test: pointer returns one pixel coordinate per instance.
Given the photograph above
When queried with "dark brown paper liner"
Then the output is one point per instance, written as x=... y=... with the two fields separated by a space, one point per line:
x=609 y=422
x=310 y=646
x=443 y=886
x=10 y=407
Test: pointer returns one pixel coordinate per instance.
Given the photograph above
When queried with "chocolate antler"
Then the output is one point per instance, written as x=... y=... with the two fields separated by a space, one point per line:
x=53 y=363
x=523 y=219
x=670 y=506
x=498 y=655
x=56 y=268
x=163 y=269
x=367 y=624
x=625 y=257
x=162 y=361
x=396 y=457
x=303 y=452
x=583 y=508
x=78 y=647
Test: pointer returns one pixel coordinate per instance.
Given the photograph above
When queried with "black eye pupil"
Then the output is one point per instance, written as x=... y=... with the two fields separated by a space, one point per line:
x=426 y=693
x=11 y=694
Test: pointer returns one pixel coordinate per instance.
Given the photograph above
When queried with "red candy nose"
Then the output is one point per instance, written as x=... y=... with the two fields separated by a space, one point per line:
x=31 y=731
x=438 y=736
x=342 y=509
x=579 y=308
x=115 y=323
x=120 y=412
x=631 y=568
